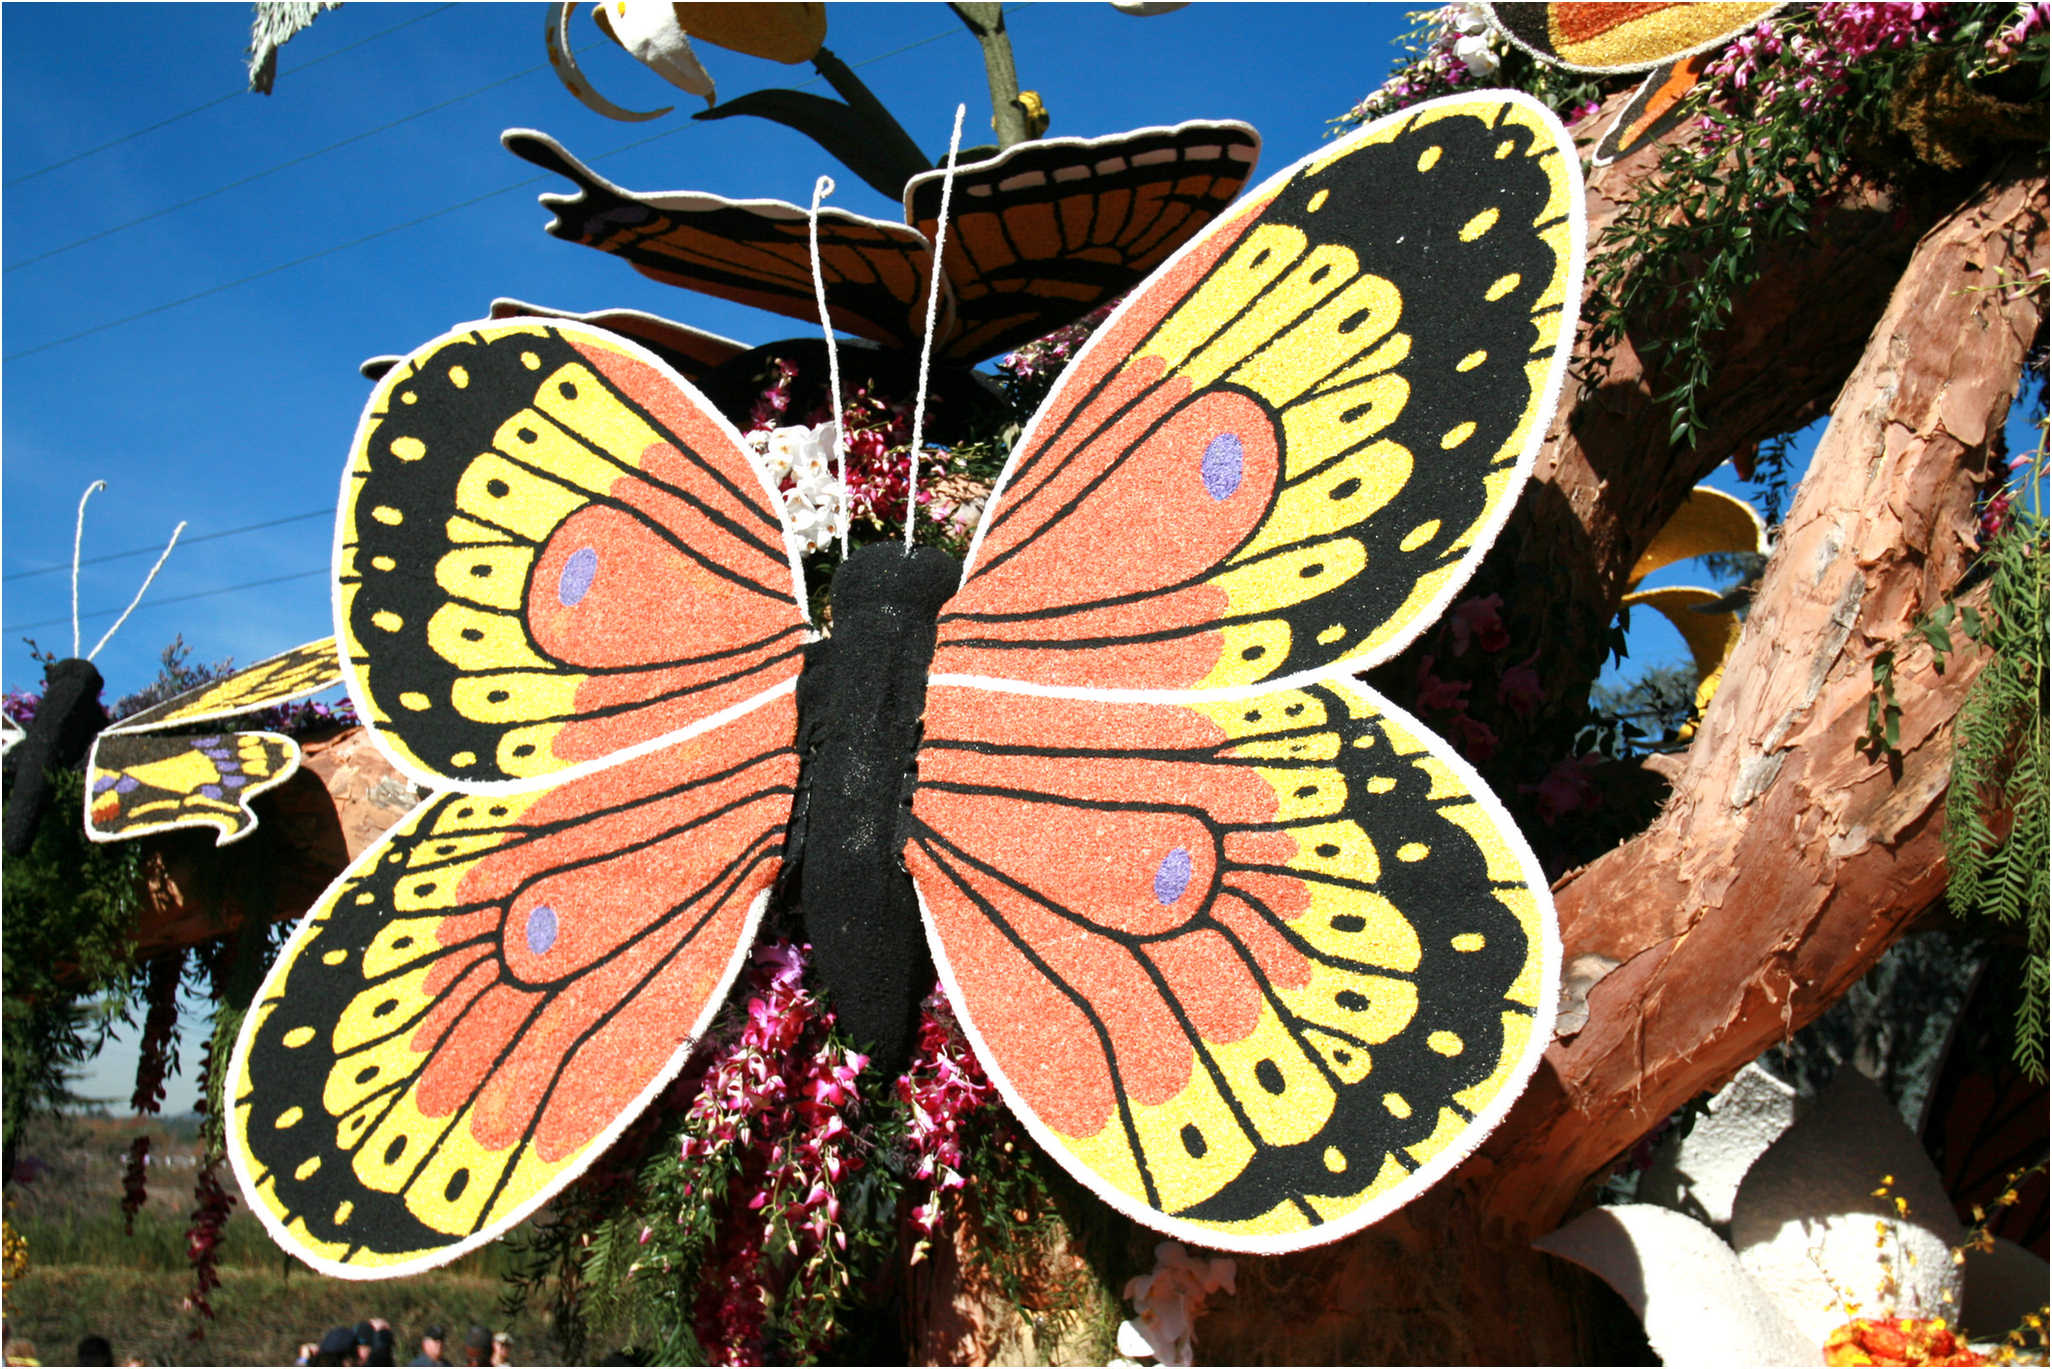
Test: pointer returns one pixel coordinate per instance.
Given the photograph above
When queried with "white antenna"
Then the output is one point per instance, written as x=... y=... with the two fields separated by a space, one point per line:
x=77 y=536
x=138 y=594
x=822 y=188
x=940 y=237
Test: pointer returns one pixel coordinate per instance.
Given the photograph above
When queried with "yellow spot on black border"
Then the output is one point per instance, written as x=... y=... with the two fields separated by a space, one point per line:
x=459 y=377
x=1471 y=361
x=1469 y=941
x=1413 y=851
x=1397 y=1105
x=1318 y=202
x=388 y=515
x=1501 y=286
x=1420 y=535
x=1480 y=224
x=1429 y=158
x=298 y=1037
x=408 y=448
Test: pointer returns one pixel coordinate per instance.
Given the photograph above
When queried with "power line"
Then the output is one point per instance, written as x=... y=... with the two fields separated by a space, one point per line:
x=271 y=170
x=175 y=599
x=217 y=100
x=325 y=511
x=395 y=228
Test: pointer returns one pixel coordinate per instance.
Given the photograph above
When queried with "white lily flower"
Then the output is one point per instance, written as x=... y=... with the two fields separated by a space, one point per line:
x=1833 y=1215
x=1473 y=49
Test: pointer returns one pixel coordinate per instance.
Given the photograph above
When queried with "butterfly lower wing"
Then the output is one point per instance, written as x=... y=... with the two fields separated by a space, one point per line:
x=1256 y=971
x=140 y=783
x=1049 y=230
x=550 y=551
x=1603 y=37
x=1287 y=451
x=754 y=252
x=143 y=783
x=488 y=996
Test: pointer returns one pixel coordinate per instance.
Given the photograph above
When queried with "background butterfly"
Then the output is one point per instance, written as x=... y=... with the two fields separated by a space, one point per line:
x=1251 y=953
x=1676 y=41
x=1042 y=234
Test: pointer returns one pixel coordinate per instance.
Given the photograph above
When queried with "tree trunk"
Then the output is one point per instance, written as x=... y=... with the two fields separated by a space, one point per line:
x=1784 y=863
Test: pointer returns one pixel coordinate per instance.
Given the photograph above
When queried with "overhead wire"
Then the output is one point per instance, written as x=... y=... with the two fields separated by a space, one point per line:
x=217 y=100
x=300 y=261
x=324 y=511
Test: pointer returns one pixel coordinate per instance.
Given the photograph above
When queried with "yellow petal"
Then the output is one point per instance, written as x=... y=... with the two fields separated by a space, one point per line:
x=1708 y=521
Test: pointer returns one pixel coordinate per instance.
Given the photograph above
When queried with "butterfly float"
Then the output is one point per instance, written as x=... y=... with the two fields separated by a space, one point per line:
x=1248 y=950
x=1674 y=43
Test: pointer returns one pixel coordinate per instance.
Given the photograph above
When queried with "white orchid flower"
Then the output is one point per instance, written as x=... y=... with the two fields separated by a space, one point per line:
x=1833 y=1213
x=1167 y=1302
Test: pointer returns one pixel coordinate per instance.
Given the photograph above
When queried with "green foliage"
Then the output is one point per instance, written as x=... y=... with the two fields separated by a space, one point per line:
x=67 y=958
x=1996 y=810
x=1689 y=244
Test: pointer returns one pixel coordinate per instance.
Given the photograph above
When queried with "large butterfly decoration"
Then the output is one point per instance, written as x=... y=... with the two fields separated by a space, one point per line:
x=1248 y=950
x=1673 y=43
x=1038 y=235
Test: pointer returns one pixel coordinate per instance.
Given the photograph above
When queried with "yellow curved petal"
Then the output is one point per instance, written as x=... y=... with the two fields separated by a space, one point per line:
x=788 y=33
x=1710 y=636
x=1708 y=521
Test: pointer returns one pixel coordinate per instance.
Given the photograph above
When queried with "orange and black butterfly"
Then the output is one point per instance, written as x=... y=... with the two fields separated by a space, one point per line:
x=151 y=773
x=1674 y=42
x=1251 y=952
x=1039 y=235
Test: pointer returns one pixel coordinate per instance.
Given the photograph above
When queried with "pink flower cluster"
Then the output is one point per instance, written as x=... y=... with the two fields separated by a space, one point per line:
x=879 y=434
x=1457 y=53
x=1038 y=363
x=772 y=1116
x=942 y=1091
x=1818 y=48
x=1475 y=622
x=2005 y=43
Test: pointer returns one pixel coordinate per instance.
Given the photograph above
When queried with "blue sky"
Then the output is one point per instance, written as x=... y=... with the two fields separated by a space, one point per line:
x=237 y=408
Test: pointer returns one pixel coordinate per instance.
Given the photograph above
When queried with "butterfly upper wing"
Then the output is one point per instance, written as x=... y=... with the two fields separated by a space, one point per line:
x=1256 y=970
x=490 y=994
x=1606 y=37
x=140 y=782
x=549 y=553
x=1255 y=955
x=564 y=594
x=1047 y=231
x=754 y=252
x=1285 y=452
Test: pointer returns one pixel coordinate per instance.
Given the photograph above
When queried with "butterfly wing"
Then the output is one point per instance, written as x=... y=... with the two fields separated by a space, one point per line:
x=1655 y=108
x=1256 y=970
x=1284 y=454
x=1603 y=37
x=564 y=594
x=140 y=782
x=493 y=991
x=1047 y=231
x=754 y=252
x=550 y=552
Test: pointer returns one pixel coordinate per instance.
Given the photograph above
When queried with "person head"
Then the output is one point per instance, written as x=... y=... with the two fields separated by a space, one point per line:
x=337 y=1347
x=384 y=1347
x=431 y=1340
x=477 y=1346
x=95 y=1350
x=502 y=1347
x=365 y=1334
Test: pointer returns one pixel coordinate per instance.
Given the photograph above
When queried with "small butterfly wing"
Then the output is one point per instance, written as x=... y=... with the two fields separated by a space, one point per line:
x=1605 y=37
x=1256 y=971
x=551 y=551
x=1657 y=106
x=493 y=991
x=1284 y=454
x=1049 y=230
x=140 y=782
x=754 y=252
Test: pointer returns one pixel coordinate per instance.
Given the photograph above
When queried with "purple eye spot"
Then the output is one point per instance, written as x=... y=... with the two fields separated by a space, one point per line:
x=127 y=784
x=578 y=573
x=1224 y=460
x=235 y=781
x=212 y=791
x=541 y=928
x=104 y=783
x=1173 y=877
